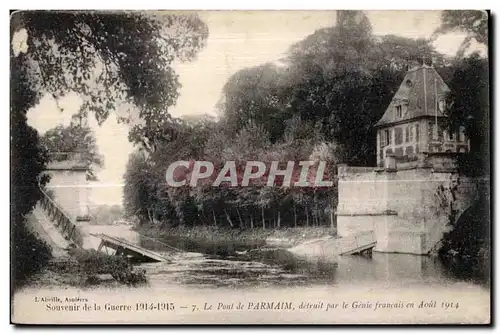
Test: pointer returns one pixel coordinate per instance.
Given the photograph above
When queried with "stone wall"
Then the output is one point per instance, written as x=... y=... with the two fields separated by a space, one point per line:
x=403 y=206
x=69 y=184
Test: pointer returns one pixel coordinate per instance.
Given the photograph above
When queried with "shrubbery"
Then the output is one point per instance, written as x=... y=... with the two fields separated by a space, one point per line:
x=92 y=263
x=29 y=254
x=466 y=249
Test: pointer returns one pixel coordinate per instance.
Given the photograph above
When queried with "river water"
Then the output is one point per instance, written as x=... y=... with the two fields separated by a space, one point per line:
x=193 y=281
x=279 y=267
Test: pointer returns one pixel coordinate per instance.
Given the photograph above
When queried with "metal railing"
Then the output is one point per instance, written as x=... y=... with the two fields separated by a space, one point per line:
x=61 y=219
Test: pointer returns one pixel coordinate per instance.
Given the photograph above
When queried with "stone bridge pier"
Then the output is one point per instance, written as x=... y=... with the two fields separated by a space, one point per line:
x=69 y=185
x=407 y=204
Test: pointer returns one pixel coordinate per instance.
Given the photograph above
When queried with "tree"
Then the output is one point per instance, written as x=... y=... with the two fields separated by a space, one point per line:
x=320 y=104
x=106 y=214
x=107 y=58
x=64 y=49
x=254 y=94
x=28 y=160
x=74 y=139
x=468 y=105
x=112 y=58
x=141 y=188
x=28 y=156
x=473 y=22
x=341 y=79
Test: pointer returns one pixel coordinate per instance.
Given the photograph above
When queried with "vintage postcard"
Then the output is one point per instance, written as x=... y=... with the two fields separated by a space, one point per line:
x=250 y=167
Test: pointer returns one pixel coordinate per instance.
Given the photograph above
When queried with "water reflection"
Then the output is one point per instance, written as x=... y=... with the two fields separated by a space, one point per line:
x=279 y=267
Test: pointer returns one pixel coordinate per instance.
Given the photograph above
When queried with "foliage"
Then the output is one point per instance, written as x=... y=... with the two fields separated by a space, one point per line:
x=74 y=139
x=28 y=159
x=29 y=254
x=132 y=51
x=321 y=104
x=106 y=214
x=473 y=22
x=92 y=263
x=466 y=249
x=139 y=191
x=469 y=106
x=338 y=81
x=109 y=59
x=468 y=103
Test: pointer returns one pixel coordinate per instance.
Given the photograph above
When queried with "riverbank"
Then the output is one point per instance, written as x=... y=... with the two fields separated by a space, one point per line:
x=215 y=240
x=85 y=269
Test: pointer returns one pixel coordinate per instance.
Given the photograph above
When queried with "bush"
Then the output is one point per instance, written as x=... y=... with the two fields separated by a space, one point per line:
x=93 y=263
x=29 y=254
x=465 y=250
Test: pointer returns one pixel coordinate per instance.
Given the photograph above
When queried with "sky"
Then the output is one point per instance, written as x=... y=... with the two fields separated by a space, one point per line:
x=236 y=40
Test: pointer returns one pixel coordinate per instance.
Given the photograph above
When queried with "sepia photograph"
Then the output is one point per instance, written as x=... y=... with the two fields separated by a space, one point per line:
x=250 y=167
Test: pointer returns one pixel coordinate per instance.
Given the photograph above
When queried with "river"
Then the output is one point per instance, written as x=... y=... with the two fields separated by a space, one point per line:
x=278 y=267
x=195 y=279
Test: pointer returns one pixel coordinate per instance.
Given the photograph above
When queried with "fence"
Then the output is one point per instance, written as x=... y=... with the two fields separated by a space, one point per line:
x=61 y=219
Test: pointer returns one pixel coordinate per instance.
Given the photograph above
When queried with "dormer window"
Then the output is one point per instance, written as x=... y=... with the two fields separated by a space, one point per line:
x=399 y=111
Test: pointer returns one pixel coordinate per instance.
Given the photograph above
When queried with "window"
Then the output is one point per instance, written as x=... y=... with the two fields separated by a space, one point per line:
x=398 y=136
x=407 y=134
x=387 y=135
x=451 y=135
x=461 y=134
x=434 y=131
x=399 y=111
x=416 y=132
x=410 y=133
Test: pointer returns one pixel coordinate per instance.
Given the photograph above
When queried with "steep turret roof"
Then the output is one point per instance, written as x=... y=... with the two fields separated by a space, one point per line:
x=420 y=91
